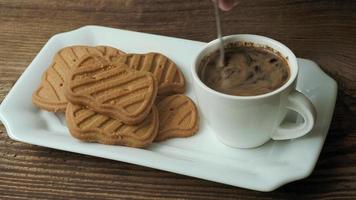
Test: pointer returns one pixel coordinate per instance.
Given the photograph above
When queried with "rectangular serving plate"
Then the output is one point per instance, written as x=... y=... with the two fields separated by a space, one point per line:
x=203 y=156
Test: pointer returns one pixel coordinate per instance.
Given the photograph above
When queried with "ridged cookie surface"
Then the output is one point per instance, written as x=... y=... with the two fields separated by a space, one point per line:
x=170 y=78
x=114 y=90
x=178 y=117
x=50 y=93
x=108 y=52
x=87 y=125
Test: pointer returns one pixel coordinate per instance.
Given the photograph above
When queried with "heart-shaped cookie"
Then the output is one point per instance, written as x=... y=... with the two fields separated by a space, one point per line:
x=111 y=89
x=178 y=117
x=170 y=79
x=50 y=93
x=90 y=126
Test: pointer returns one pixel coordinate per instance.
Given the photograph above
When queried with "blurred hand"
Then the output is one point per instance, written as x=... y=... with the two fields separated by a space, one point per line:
x=227 y=5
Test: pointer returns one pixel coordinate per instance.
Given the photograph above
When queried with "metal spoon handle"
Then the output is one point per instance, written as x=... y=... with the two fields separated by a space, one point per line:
x=218 y=27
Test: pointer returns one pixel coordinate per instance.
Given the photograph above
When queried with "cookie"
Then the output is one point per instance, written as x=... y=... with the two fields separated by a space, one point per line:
x=178 y=117
x=87 y=125
x=50 y=93
x=108 y=52
x=114 y=90
x=170 y=78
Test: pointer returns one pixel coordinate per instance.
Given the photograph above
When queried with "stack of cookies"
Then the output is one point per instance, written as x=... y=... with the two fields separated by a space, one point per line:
x=115 y=98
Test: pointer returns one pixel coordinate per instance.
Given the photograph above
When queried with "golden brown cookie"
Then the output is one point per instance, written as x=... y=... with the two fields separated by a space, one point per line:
x=108 y=52
x=178 y=117
x=114 y=90
x=170 y=78
x=50 y=93
x=87 y=125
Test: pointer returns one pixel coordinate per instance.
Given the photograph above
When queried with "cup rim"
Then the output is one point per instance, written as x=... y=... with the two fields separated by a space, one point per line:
x=233 y=38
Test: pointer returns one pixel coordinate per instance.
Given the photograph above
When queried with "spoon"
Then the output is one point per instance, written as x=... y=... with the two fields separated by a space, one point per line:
x=221 y=62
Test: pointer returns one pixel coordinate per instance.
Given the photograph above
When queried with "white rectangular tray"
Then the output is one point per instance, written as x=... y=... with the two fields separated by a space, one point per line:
x=203 y=156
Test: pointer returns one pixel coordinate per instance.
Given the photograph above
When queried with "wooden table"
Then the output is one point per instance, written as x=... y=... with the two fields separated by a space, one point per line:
x=324 y=31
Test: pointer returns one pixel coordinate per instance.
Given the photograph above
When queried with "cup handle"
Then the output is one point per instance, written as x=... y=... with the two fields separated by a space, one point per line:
x=298 y=102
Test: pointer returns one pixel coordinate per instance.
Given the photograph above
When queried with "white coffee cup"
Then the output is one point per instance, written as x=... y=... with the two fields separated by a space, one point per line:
x=250 y=121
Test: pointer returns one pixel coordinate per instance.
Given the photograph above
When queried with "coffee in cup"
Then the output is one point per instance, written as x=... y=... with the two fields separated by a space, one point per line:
x=248 y=70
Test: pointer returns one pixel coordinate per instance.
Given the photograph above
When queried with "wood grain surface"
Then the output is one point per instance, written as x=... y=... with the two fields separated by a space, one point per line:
x=321 y=30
